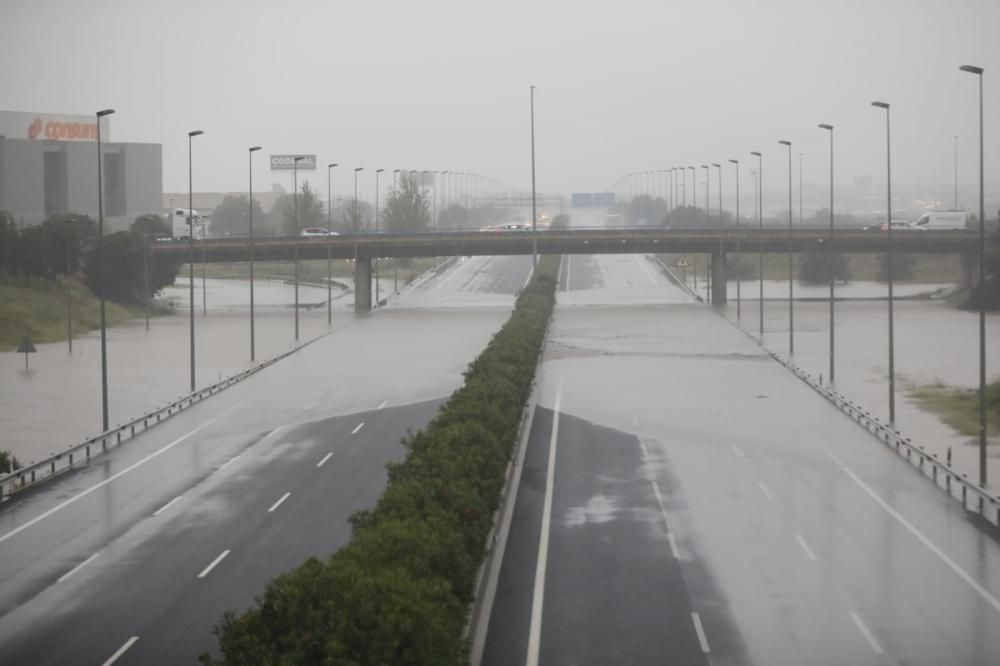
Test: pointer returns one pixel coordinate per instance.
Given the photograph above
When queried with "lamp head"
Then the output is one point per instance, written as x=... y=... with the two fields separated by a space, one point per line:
x=972 y=69
x=379 y=170
x=754 y=152
x=298 y=159
x=785 y=143
x=105 y=112
x=826 y=127
x=357 y=169
x=331 y=165
x=881 y=105
x=716 y=165
x=195 y=133
x=254 y=149
x=736 y=162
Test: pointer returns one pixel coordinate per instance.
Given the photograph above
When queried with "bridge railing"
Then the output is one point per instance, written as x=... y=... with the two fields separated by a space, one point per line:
x=80 y=455
x=956 y=484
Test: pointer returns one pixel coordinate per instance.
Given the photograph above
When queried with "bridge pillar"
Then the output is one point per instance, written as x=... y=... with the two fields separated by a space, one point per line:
x=719 y=282
x=969 y=270
x=362 y=284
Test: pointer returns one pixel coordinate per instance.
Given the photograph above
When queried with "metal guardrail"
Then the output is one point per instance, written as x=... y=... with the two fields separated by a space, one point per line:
x=80 y=455
x=956 y=484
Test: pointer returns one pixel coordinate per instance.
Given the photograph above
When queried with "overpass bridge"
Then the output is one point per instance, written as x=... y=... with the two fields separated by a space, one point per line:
x=717 y=242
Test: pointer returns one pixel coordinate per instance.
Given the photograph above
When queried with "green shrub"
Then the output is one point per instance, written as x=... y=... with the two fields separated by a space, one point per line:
x=399 y=592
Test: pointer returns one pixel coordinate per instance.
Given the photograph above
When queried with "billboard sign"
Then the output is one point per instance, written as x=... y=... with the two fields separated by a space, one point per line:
x=51 y=126
x=593 y=199
x=287 y=162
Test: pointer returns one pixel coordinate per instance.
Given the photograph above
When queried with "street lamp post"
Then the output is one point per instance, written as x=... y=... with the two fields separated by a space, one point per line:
x=978 y=71
x=357 y=217
x=723 y=287
x=534 y=213
x=791 y=282
x=829 y=251
x=739 y=306
x=253 y=345
x=329 y=230
x=760 y=239
x=190 y=222
x=69 y=291
x=377 y=294
x=295 y=241
x=100 y=262
x=888 y=261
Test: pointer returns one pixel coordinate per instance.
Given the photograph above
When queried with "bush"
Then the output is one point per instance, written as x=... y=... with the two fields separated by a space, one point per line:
x=398 y=593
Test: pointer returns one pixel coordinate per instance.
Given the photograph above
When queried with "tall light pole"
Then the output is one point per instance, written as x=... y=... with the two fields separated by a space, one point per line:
x=252 y=150
x=888 y=261
x=357 y=217
x=100 y=262
x=829 y=251
x=978 y=71
x=739 y=306
x=534 y=213
x=295 y=241
x=69 y=291
x=190 y=220
x=329 y=230
x=722 y=249
x=791 y=317
x=377 y=173
x=760 y=238
x=955 y=162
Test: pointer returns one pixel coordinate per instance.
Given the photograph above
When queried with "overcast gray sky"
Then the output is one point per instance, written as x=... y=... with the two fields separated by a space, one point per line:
x=443 y=84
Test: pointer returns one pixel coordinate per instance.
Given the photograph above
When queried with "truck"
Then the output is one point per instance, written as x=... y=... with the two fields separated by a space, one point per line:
x=179 y=220
x=940 y=221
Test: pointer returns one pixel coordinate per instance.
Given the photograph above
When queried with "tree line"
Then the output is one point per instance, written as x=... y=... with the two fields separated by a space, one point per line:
x=66 y=247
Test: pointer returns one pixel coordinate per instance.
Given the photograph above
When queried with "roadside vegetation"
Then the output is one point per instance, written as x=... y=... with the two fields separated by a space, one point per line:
x=958 y=407
x=399 y=592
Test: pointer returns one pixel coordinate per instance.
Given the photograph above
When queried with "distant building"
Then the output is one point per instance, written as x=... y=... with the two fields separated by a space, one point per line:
x=48 y=166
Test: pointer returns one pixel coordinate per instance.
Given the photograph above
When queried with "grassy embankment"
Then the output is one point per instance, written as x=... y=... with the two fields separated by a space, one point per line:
x=959 y=408
x=39 y=311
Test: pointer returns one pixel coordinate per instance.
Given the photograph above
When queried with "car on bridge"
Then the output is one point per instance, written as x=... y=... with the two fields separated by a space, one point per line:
x=317 y=231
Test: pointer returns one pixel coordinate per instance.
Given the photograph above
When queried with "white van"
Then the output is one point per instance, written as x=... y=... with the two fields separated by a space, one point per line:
x=940 y=221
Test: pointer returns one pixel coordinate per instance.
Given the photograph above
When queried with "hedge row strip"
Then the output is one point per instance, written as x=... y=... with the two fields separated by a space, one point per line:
x=399 y=592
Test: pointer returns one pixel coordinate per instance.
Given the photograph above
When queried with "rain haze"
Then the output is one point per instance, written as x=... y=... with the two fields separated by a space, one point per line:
x=620 y=87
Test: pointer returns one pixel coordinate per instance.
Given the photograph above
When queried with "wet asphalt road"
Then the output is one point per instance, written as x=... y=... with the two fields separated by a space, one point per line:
x=706 y=507
x=194 y=517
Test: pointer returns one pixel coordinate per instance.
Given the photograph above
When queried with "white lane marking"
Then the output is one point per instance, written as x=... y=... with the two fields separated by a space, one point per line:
x=569 y=259
x=535 y=633
x=931 y=546
x=764 y=489
x=166 y=506
x=673 y=546
x=325 y=458
x=278 y=503
x=805 y=546
x=701 y=632
x=359 y=427
x=226 y=464
x=113 y=658
x=645 y=270
x=530 y=274
x=309 y=406
x=78 y=567
x=207 y=570
x=739 y=452
x=876 y=648
x=384 y=403
x=98 y=486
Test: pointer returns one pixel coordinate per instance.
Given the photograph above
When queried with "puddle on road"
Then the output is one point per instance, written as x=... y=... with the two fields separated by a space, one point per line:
x=598 y=509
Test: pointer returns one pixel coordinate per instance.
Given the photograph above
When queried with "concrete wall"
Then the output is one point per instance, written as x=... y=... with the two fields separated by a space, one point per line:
x=22 y=190
x=22 y=178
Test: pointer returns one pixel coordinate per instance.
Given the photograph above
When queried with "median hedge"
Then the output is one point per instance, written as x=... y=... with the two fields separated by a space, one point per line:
x=399 y=592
